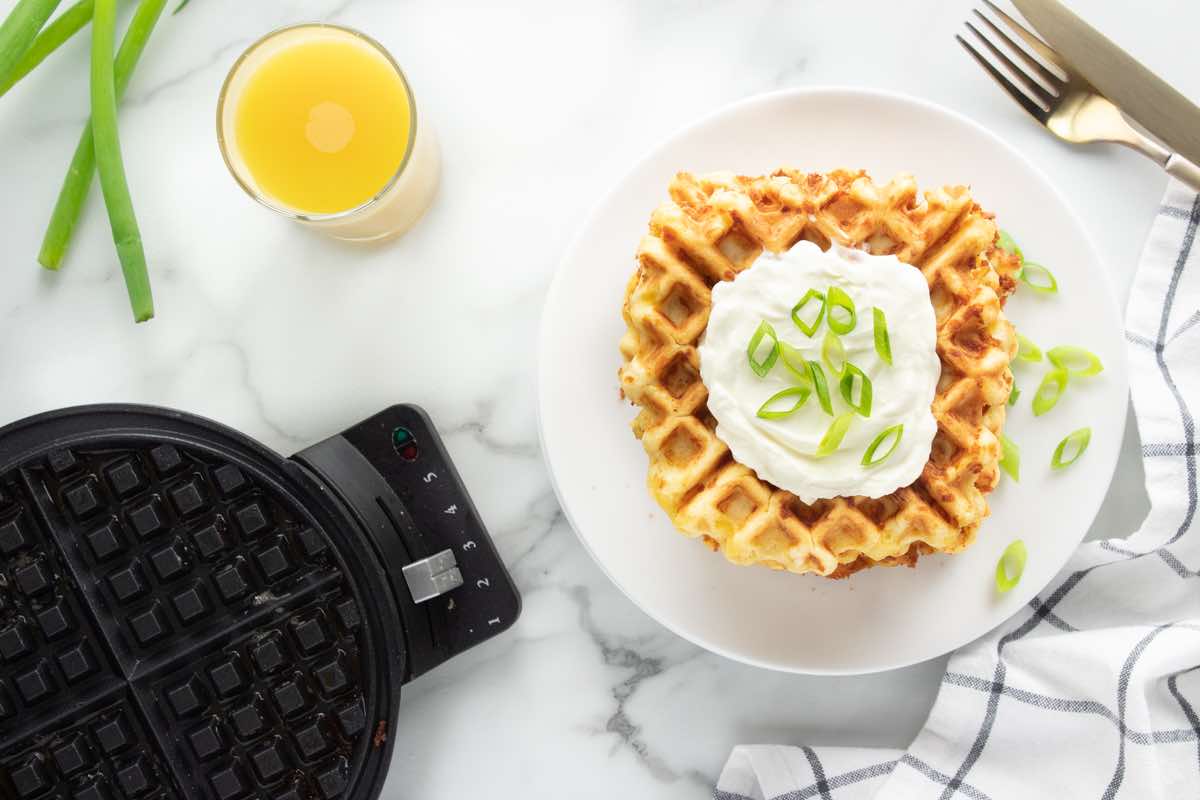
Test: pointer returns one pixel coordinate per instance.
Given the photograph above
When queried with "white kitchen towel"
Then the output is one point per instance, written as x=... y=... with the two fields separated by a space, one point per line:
x=1093 y=689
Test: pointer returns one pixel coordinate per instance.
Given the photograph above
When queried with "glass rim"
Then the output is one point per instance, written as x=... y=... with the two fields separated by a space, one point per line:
x=259 y=196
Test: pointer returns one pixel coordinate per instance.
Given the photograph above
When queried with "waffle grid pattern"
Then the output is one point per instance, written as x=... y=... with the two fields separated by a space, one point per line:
x=714 y=227
x=167 y=590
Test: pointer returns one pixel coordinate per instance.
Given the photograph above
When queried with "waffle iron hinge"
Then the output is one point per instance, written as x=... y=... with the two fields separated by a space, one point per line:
x=403 y=547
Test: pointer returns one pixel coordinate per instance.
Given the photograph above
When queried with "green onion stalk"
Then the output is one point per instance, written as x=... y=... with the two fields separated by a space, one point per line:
x=19 y=29
x=52 y=37
x=83 y=165
x=113 y=183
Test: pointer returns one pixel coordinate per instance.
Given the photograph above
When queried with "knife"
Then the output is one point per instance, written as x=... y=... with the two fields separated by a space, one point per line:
x=1141 y=94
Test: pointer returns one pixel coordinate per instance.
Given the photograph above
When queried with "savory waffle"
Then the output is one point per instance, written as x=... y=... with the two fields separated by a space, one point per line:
x=717 y=225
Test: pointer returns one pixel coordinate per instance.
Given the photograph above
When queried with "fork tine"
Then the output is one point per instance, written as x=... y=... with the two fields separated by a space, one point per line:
x=1050 y=79
x=1032 y=39
x=1035 y=110
x=1032 y=87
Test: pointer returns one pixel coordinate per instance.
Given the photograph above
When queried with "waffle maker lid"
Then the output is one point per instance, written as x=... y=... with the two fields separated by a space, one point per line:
x=185 y=614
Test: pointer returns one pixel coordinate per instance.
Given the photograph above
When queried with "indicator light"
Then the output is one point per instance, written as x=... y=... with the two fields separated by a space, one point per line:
x=409 y=453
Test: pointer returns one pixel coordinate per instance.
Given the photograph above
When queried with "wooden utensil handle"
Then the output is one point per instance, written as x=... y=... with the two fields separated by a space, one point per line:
x=1179 y=167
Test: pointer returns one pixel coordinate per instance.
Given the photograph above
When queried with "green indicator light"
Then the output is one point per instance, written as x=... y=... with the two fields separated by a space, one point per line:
x=401 y=436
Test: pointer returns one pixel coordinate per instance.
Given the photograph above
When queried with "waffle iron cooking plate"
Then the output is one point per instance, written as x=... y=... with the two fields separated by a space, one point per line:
x=185 y=614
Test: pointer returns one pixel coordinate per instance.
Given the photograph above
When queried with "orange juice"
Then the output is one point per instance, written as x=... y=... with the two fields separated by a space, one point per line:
x=324 y=125
x=318 y=122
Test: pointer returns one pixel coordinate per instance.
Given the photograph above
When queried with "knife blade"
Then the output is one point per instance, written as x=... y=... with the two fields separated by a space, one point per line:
x=1139 y=93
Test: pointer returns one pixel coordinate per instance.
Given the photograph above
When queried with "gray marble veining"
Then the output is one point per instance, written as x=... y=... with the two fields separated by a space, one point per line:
x=541 y=105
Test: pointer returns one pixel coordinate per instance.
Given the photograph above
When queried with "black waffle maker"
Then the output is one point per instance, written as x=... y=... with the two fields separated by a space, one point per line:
x=185 y=614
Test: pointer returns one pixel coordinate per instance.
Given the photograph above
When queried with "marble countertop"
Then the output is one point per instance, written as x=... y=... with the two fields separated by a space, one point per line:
x=290 y=337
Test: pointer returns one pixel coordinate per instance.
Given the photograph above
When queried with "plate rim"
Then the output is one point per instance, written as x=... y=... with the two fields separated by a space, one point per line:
x=558 y=280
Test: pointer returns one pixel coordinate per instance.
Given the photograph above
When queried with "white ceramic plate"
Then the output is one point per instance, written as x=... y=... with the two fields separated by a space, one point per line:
x=881 y=618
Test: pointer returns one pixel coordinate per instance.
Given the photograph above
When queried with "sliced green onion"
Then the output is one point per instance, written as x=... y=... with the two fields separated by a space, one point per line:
x=822 y=388
x=1075 y=360
x=832 y=439
x=1053 y=384
x=883 y=342
x=863 y=406
x=1079 y=440
x=762 y=366
x=1010 y=460
x=1006 y=243
x=1045 y=282
x=809 y=329
x=797 y=393
x=895 y=432
x=1027 y=350
x=1010 y=566
x=796 y=363
x=833 y=353
x=836 y=298
x=1014 y=394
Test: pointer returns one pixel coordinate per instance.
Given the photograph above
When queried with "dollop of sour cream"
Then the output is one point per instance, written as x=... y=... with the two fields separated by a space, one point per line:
x=782 y=451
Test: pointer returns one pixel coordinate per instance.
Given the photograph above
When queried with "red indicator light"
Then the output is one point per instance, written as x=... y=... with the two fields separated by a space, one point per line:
x=409 y=453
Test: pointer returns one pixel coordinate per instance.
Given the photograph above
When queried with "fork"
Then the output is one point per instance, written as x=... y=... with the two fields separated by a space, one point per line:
x=1059 y=97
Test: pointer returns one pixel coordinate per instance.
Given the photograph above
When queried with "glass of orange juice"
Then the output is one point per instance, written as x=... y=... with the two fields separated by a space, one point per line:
x=319 y=123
